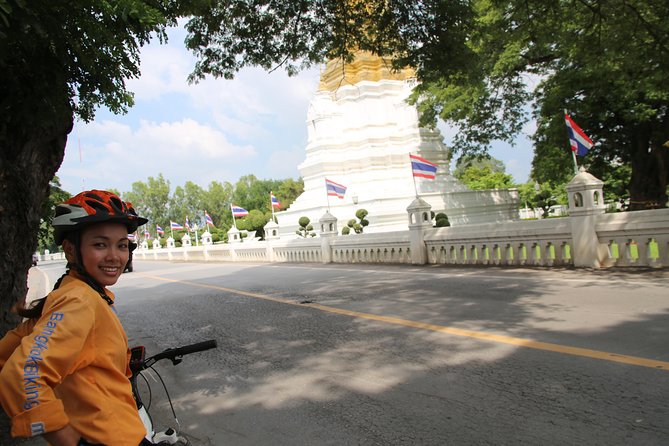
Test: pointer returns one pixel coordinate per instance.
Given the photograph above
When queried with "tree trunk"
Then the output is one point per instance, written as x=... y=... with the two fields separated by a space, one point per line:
x=650 y=171
x=26 y=168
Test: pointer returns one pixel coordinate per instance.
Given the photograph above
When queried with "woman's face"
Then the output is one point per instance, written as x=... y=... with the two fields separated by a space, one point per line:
x=104 y=251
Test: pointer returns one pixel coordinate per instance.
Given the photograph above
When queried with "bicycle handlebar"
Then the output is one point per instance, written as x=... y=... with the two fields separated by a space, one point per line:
x=172 y=353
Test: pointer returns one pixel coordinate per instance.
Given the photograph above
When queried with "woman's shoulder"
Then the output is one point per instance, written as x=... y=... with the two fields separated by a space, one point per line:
x=71 y=291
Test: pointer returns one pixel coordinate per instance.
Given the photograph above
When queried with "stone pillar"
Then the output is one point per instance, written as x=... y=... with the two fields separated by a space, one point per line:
x=586 y=202
x=156 y=243
x=206 y=238
x=328 y=224
x=234 y=236
x=271 y=234
x=185 y=240
x=271 y=230
x=419 y=220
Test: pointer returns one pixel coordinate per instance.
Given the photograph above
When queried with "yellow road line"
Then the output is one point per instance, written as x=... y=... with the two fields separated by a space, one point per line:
x=528 y=343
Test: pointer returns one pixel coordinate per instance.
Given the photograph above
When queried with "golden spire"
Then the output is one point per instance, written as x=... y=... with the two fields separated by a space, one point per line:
x=364 y=67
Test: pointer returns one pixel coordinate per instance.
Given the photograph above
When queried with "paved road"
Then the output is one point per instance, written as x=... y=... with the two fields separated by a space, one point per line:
x=362 y=354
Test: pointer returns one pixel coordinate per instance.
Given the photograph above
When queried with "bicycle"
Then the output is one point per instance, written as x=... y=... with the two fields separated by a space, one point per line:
x=139 y=364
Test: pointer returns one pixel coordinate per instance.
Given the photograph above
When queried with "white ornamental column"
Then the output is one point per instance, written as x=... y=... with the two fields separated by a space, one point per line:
x=586 y=202
x=328 y=233
x=419 y=220
x=206 y=238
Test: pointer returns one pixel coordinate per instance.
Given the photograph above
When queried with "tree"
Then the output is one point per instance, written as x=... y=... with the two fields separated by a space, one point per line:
x=544 y=198
x=605 y=62
x=255 y=221
x=187 y=201
x=305 y=230
x=441 y=220
x=357 y=226
x=288 y=191
x=151 y=200
x=58 y=59
x=482 y=173
x=216 y=202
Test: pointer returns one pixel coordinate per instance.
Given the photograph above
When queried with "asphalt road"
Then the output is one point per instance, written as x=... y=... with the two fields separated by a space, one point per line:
x=390 y=355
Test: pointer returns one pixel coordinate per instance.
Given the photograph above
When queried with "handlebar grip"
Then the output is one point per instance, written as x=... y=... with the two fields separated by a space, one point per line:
x=186 y=350
x=194 y=348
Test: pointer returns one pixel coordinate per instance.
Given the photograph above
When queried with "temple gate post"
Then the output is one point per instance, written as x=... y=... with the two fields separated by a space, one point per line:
x=586 y=202
x=419 y=220
x=328 y=224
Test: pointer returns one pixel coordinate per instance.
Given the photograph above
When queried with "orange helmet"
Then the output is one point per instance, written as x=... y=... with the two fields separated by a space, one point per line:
x=93 y=206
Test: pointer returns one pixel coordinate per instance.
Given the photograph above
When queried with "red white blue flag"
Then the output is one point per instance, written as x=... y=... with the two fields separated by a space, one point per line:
x=579 y=141
x=334 y=189
x=159 y=230
x=187 y=224
x=176 y=226
x=208 y=220
x=422 y=168
x=275 y=202
x=238 y=211
x=147 y=234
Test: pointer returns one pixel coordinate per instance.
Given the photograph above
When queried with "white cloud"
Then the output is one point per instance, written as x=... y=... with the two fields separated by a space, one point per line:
x=164 y=70
x=116 y=155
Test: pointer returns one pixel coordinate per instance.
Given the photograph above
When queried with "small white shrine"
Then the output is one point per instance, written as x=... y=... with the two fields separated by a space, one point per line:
x=360 y=134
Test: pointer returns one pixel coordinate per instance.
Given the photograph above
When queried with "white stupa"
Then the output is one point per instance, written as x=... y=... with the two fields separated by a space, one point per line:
x=360 y=134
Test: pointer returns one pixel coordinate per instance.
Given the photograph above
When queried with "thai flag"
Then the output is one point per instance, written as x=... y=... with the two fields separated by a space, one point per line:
x=187 y=225
x=422 y=168
x=147 y=234
x=159 y=230
x=275 y=202
x=208 y=220
x=175 y=225
x=334 y=189
x=238 y=211
x=131 y=237
x=579 y=141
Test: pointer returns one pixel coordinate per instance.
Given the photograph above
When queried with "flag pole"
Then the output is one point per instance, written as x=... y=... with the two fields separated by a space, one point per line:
x=271 y=205
x=573 y=152
x=415 y=188
x=234 y=222
x=327 y=195
x=171 y=231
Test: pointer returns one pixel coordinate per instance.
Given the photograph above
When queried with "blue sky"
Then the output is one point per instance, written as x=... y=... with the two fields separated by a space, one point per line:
x=216 y=130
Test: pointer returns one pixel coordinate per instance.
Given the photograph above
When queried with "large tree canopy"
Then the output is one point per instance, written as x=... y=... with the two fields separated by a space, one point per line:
x=605 y=61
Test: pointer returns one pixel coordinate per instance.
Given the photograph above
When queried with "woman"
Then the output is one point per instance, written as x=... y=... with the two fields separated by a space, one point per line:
x=64 y=371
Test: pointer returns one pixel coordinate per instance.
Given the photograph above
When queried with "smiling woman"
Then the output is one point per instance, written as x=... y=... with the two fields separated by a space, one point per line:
x=72 y=338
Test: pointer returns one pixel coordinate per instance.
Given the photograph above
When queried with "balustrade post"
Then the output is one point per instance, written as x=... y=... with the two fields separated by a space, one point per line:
x=328 y=224
x=419 y=220
x=586 y=202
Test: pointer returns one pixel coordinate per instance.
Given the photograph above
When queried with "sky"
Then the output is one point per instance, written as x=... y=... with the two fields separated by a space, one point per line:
x=215 y=130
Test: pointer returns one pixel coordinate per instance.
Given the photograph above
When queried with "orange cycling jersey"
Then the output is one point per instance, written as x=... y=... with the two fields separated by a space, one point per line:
x=70 y=366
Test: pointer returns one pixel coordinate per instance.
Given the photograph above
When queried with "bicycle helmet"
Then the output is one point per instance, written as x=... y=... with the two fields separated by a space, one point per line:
x=93 y=206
